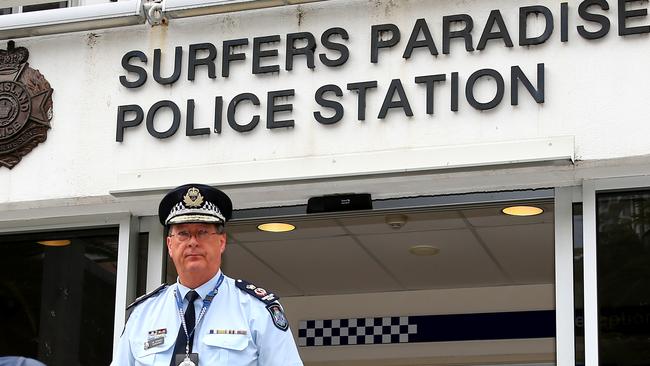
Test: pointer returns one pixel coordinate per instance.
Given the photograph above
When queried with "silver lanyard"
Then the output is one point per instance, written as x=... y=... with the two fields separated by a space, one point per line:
x=206 y=304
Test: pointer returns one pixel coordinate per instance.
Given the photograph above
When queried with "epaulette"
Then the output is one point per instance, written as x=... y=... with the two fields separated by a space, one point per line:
x=142 y=298
x=269 y=299
x=257 y=292
x=129 y=309
x=146 y=296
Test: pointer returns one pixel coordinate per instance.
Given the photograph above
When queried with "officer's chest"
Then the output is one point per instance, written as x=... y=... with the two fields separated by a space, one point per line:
x=224 y=336
x=227 y=333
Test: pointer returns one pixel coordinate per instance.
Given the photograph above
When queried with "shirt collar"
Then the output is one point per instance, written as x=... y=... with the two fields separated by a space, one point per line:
x=202 y=290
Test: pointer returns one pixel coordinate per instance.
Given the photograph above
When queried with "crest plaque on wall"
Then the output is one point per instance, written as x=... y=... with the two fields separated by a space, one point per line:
x=25 y=106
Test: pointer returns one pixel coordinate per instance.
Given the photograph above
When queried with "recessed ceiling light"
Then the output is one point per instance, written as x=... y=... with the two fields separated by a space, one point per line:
x=423 y=250
x=54 y=243
x=276 y=227
x=522 y=210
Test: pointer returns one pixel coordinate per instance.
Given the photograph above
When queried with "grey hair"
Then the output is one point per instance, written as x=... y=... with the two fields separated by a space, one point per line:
x=220 y=227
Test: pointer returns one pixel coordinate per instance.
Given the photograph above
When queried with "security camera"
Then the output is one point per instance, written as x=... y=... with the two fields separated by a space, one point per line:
x=396 y=221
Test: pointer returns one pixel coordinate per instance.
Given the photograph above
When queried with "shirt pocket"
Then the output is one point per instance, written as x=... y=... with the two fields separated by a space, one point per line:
x=225 y=349
x=157 y=355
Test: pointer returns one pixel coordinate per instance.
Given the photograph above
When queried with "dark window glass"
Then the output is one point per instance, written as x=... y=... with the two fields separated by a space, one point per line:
x=170 y=269
x=57 y=297
x=143 y=254
x=46 y=6
x=4 y=11
x=623 y=241
x=578 y=285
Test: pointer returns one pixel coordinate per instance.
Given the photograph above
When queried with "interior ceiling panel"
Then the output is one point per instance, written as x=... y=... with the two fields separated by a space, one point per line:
x=420 y=221
x=240 y=263
x=325 y=265
x=359 y=252
x=461 y=262
x=305 y=229
x=492 y=216
x=526 y=252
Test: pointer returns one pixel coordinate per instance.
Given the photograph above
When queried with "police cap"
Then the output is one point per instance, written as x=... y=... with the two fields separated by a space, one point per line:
x=193 y=203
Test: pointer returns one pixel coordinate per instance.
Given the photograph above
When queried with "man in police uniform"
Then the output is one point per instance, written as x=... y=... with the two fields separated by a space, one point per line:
x=205 y=318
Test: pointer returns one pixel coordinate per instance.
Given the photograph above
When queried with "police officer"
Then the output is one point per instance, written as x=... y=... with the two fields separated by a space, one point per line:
x=205 y=318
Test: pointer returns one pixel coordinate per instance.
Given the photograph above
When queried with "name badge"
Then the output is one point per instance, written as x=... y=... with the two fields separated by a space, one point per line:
x=154 y=341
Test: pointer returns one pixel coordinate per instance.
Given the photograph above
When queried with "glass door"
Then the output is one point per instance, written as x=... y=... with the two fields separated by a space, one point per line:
x=57 y=296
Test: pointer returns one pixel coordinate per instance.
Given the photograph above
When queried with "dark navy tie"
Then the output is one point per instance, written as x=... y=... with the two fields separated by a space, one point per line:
x=190 y=319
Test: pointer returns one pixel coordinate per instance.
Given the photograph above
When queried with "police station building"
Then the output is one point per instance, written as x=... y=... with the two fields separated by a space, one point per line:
x=420 y=182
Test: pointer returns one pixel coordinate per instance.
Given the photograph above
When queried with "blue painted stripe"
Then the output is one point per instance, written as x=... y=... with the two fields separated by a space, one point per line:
x=483 y=326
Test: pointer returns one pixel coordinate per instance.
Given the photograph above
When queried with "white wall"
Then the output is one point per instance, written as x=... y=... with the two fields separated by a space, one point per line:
x=92 y=2
x=595 y=99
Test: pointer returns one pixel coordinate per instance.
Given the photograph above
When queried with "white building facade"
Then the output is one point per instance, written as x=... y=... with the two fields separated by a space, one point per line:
x=442 y=111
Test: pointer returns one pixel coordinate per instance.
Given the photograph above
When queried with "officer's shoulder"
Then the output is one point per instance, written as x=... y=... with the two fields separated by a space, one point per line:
x=269 y=299
x=265 y=296
x=146 y=296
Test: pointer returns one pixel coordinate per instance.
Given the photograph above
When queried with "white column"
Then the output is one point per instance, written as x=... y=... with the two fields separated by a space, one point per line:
x=156 y=251
x=126 y=264
x=590 y=273
x=564 y=307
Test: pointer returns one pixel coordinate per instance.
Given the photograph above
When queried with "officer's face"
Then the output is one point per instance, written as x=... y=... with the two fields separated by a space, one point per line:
x=196 y=250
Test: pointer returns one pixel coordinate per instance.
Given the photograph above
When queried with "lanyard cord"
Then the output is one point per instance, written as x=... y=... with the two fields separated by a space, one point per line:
x=204 y=309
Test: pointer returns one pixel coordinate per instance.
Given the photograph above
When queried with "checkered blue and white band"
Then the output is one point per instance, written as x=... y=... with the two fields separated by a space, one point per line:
x=341 y=332
x=208 y=213
x=427 y=328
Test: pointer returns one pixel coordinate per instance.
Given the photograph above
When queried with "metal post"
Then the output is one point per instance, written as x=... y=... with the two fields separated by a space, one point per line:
x=590 y=273
x=564 y=307
x=126 y=279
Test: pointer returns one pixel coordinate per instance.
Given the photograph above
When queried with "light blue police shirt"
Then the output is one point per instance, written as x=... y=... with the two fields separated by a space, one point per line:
x=19 y=361
x=237 y=330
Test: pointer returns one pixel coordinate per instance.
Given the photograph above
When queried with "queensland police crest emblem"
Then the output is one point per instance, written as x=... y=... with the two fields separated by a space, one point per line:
x=277 y=315
x=193 y=198
x=25 y=106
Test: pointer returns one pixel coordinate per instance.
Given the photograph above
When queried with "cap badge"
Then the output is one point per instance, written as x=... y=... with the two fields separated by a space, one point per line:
x=193 y=198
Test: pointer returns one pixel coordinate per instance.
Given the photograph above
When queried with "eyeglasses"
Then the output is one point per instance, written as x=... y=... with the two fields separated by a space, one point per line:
x=200 y=235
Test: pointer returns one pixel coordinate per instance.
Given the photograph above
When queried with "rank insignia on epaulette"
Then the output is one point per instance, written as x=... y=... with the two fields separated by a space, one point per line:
x=259 y=293
x=277 y=314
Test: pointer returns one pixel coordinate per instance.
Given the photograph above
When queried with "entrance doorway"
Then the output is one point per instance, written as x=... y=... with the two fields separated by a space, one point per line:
x=475 y=285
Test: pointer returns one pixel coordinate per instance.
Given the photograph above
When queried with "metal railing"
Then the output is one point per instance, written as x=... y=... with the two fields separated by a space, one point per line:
x=117 y=14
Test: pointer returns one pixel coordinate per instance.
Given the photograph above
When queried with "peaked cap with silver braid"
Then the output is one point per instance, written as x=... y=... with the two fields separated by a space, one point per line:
x=195 y=203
